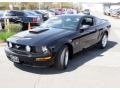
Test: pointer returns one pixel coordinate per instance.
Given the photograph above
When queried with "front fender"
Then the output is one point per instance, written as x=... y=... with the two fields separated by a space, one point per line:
x=56 y=45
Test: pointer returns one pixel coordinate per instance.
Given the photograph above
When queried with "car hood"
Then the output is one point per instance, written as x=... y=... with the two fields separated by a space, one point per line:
x=39 y=36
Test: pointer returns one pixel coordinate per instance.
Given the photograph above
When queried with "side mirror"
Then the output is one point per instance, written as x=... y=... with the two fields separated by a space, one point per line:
x=84 y=27
x=87 y=13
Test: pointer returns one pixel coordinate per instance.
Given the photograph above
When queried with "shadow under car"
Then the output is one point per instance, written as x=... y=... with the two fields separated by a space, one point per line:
x=78 y=60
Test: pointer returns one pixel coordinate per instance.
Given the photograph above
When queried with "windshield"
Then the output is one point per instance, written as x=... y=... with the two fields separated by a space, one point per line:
x=62 y=22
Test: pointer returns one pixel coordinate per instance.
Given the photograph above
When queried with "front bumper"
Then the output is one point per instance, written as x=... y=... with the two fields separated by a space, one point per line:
x=116 y=15
x=29 y=59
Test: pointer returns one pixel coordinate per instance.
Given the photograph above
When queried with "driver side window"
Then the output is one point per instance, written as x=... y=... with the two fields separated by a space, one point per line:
x=87 y=21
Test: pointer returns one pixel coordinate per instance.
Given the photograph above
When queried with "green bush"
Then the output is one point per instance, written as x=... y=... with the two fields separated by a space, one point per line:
x=13 y=27
x=5 y=35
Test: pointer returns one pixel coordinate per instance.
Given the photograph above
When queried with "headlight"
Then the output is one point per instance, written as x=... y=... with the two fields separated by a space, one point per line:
x=28 y=48
x=10 y=45
x=44 y=49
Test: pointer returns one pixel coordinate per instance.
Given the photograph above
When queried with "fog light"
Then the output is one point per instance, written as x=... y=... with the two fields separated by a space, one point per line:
x=43 y=59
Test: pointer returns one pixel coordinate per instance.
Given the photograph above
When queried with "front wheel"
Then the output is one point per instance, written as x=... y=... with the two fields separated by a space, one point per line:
x=62 y=58
x=103 y=42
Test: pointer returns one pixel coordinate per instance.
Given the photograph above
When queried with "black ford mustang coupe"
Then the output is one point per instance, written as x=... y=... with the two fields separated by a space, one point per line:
x=57 y=39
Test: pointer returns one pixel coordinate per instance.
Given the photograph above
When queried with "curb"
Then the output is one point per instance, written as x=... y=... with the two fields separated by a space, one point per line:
x=3 y=44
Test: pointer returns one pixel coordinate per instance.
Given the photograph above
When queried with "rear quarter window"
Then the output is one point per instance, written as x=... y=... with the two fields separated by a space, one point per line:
x=28 y=13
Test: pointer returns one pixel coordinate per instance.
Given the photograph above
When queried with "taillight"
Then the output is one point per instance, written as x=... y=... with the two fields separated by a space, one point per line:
x=34 y=20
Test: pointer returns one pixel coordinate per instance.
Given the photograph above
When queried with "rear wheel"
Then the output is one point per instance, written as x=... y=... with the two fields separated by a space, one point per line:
x=103 y=42
x=62 y=58
x=104 y=13
x=24 y=26
x=108 y=14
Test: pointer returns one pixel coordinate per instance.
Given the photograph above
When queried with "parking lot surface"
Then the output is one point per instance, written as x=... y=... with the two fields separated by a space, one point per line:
x=91 y=68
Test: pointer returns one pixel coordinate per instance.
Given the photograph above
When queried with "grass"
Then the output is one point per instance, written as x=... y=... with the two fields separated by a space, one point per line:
x=13 y=28
x=5 y=35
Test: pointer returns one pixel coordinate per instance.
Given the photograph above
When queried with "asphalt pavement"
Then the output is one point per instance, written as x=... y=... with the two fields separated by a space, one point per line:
x=91 y=68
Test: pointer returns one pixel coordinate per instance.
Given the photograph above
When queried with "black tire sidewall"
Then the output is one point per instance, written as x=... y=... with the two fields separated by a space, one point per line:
x=58 y=63
x=100 y=43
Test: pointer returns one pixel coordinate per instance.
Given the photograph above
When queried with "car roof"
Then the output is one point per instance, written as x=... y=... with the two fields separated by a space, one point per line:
x=26 y=12
x=41 y=11
x=75 y=15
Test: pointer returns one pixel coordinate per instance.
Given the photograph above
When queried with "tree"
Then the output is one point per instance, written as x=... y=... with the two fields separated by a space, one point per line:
x=37 y=5
x=66 y=5
x=4 y=5
x=29 y=5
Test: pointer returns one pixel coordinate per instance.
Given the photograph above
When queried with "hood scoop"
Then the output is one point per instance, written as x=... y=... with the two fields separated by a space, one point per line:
x=35 y=31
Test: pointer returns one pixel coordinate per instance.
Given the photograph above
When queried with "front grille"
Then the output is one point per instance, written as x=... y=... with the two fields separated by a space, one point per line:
x=19 y=47
x=19 y=52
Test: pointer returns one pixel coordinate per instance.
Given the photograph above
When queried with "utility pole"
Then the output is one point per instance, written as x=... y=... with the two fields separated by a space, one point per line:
x=10 y=6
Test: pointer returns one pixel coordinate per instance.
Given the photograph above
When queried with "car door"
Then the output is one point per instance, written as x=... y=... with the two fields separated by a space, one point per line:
x=90 y=34
x=19 y=16
x=12 y=16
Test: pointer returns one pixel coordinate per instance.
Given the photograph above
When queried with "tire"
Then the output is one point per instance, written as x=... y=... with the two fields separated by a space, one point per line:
x=24 y=26
x=105 y=13
x=62 y=58
x=108 y=14
x=103 y=42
